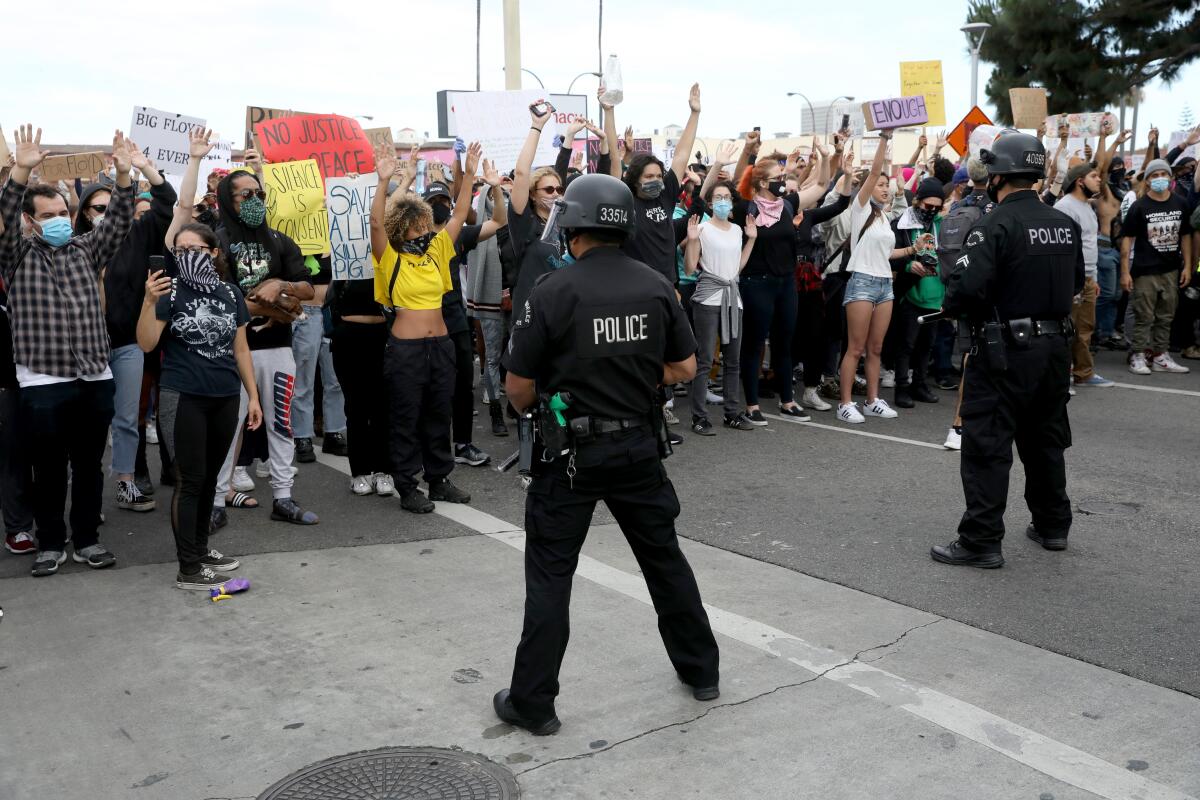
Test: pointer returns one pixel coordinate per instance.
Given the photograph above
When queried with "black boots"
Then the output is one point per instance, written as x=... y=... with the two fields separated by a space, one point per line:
x=498 y=426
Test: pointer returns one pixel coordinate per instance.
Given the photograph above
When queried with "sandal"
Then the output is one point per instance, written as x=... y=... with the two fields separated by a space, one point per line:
x=241 y=500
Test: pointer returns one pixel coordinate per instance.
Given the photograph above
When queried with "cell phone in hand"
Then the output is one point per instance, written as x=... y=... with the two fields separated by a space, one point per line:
x=541 y=107
x=845 y=122
x=758 y=129
x=157 y=263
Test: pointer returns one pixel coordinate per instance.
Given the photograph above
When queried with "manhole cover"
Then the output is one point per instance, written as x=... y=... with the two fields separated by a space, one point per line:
x=399 y=773
x=1103 y=508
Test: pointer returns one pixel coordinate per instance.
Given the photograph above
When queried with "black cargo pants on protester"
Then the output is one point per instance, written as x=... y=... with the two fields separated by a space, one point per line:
x=464 y=387
x=1027 y=403
x=622 y=469
x=420 y=380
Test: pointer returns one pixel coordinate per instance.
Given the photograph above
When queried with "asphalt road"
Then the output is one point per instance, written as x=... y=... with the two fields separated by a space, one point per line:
x=862 y=511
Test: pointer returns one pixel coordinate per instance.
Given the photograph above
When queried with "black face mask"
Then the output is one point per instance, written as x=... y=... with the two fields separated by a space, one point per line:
x=993 y=189
x=441 y=213
x=417 y=246
x=1116 y=176
x=924 y=215
x=777 y=188
x=1088 y=193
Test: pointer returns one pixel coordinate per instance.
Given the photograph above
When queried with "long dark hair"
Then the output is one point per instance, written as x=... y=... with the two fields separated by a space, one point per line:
x=633 y=175
x=238 y=232
x=209 y=237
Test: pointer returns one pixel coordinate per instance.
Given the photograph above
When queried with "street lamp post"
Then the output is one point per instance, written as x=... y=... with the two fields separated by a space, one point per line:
x=975 y=32
x=812 y=114
x=531 y=72
x=832 y=105
x=577 y=77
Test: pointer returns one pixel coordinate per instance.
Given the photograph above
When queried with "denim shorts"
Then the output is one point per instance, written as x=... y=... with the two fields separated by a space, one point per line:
x=867 y=287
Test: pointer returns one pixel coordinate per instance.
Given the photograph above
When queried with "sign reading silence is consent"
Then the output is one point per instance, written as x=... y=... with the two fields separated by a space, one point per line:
x=296 y=204
x=336 y=143
x=895 y=112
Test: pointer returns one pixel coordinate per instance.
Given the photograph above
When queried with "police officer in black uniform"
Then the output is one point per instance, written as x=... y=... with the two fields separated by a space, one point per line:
x=605 y=331
x=1020 y=268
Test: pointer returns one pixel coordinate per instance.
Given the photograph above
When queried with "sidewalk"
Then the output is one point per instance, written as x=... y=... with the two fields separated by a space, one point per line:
x=115 y=684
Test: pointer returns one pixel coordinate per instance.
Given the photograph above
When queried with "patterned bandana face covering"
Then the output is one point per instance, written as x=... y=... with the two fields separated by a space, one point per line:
x=417 y=246
x=252 y=211
x=197 y=270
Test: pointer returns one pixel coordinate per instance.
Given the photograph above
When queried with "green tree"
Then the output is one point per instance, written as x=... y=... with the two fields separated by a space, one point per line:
x=1086 y=53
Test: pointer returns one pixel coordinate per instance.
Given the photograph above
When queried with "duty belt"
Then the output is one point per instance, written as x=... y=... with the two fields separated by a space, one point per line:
x=603 y=426
x=1022 y=330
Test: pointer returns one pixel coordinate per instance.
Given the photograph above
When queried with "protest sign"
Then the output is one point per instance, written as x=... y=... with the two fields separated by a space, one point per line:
x=220 y=157
x=4 y=151
x=1177 y=139
x=257 y=114
x=593 y=154
x=296 y=203
x=895 y=112
x=380 y=137
x=959 y=138
x=163 y=137
x=1089 y=124
x=1028 y=107
x=336 y=143
x=567 y=108
x=925 y=78
x=349 y=203
x=500 y=122
x=76 y=165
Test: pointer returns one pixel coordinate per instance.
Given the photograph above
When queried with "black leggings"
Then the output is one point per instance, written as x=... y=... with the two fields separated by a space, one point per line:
x=420 y=379
x=464 y=387
x=769 y=309
x=357 y=349
x=809 y=339
x=199 y=431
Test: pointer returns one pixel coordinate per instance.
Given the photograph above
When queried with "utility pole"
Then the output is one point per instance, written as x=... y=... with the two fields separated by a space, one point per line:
x=512 y=44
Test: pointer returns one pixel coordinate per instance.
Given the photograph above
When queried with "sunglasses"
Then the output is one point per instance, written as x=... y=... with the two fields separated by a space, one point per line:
x=99 y=208
x=551 y=189
x=246 y=194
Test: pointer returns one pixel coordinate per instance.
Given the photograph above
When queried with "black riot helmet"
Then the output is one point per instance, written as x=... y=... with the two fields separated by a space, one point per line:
x=596 y=202
x=1015 y=153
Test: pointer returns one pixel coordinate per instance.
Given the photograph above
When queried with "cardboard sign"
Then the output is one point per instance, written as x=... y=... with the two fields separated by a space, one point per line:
x=1082 y=125
x=895 y=112
x=76 y=165
x=925 y=78
x=960 y=137
x=348 y=201
x=380 y=137
x=163 y=137
x=500 y=122
x=1028 y=107
x=4 y=151
x=296 y=203
x=336 y=143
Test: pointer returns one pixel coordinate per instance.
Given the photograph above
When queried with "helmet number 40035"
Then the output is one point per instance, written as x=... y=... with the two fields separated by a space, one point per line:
x=612 y=214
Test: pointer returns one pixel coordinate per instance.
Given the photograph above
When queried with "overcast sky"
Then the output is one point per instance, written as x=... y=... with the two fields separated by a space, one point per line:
x=387 y=60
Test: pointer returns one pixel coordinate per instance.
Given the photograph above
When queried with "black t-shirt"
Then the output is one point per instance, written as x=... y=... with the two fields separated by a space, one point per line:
x=654 y=243
x=353 y=298
x=600 y=329
x=250 y=264
x=1157 y=228
x=454 y=309
x=198 y=342
x=774 y=252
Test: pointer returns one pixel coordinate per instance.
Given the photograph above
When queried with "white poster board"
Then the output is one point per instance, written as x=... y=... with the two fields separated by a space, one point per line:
x=500 y=121
x=163 y=137
x=1178 y=138
x=348 y=201
x=220 y=157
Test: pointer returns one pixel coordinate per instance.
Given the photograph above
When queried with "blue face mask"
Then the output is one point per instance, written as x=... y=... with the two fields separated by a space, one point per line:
x=722 y=209
x=1160 y=184
x=56 y=231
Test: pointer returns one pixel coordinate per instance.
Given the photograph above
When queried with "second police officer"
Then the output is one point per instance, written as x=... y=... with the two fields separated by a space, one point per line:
x=605 y=332
x=1021 y=267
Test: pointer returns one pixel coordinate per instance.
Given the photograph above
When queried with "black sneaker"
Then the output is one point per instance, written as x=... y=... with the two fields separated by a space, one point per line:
x=739 y=422
x=796 y=412
x=218 y=520
x=130 y=497
x=414 y=501
x=470 y=454
x=498 y=426
x=285 y=509
x=304 y=451
x=202 y=581
x=948 y=381
x=1115 y=343
x=47 y=562
x=702 y=426
x=445 y=491
x=144 y=484
x=219 y=563
x=334 y=444
x=756 y=417
x=503 y=707
x=674 y=438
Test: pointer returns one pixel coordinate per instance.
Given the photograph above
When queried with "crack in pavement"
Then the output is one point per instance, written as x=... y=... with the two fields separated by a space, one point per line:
x=711 y=709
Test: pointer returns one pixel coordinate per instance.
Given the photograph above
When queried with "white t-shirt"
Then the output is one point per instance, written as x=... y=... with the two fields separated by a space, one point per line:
x=720 y=256
x=870 y=253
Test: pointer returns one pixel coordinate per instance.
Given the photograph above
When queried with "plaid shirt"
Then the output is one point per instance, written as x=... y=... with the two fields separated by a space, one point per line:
x=53 y=292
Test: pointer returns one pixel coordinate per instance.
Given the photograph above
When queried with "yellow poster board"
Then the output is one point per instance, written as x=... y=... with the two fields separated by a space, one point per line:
x=296 y=204
x=925 y=77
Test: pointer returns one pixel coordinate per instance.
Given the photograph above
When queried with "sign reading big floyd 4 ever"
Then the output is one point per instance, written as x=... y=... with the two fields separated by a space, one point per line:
x=163 y=137
x=338 y=144
x=895 y=112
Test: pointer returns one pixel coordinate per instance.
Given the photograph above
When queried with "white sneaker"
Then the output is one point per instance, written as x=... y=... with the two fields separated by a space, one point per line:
x=151 y=432
x=813 y=400
x=887 y=378
x=262 y=469
x=1137 y=364
x=849 y=413
x=1164 y=363
x=669 y=415
x=361 y=484
x=879 y=408
x=714 y=399
x=384 y=487
x=242 y=482
x=953 y=440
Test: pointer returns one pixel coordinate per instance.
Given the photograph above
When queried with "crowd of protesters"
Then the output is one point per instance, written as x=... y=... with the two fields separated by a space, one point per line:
x=135 y=315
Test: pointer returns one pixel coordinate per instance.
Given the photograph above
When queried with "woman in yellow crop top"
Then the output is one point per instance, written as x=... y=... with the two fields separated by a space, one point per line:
x=411 y=276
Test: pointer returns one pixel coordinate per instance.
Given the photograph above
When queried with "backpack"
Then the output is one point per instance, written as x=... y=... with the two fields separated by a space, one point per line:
x=953 y=233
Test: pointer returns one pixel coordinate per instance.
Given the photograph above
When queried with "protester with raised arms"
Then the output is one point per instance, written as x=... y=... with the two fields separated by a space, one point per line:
x=530 y=201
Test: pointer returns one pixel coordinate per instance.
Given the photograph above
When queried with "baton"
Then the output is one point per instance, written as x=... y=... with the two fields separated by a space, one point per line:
x=929 y=319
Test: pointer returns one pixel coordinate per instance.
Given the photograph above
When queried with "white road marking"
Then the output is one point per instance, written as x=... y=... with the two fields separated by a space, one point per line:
x=1028 y=747
x=854 y=431
x=1162 y=389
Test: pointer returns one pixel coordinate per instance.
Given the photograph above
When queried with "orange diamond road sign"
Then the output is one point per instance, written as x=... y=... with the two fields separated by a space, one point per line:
x=961 y=134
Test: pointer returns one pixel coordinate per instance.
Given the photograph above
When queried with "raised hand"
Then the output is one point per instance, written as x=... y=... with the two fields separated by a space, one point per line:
x=593 y=128
x=694 y=98
x=789 y=164
x=942 y=140
x=573 y=129
x=1124 y=136
x=137 y=158
x=29 y=153
x=157 y=284
x=1193 y=137
x=628 y=138
x=199 y=145
x=541 y=118
x=693 y=229
x=251 y=158
x=751 y=228
x=385 y=164
x=726 y=154
x=408 y=168
x=1153 y=138
x=1064 y=132
x=753 y=141
x=600 y=95
x=848 y=161
x=923 y=140
x=120 y=153
x=490 y=176
x=474 y=153
x=577 y=160
x=691 y=177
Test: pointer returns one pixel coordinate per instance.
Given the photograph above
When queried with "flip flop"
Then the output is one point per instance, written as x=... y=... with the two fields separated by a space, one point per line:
x=241 y=500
